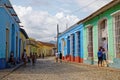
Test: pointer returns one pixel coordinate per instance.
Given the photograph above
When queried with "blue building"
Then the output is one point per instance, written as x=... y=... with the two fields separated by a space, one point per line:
x=70 y=43
x=9 y=33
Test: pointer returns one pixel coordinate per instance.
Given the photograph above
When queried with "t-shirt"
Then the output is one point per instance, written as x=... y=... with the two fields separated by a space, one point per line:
x=56 y=54
x=99 y=54
x=105 y=45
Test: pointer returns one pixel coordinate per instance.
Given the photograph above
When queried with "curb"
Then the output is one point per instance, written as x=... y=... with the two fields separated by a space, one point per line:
x=93 y=66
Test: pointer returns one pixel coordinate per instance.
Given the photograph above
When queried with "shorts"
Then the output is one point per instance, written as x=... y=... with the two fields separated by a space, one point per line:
x=100 y=58
x=104 y=56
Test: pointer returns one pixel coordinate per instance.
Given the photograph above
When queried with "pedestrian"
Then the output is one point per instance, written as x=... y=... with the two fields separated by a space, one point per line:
x=24 y=57
x=105 y=46
x=43 y=55
x=33 y=59
x=40 y=55
x=104 y=60
x=60 y=56
x=100 y=56
x=11 y=60
x=56 y=56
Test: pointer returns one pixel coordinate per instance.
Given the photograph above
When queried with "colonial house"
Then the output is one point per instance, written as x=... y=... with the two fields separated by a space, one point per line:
x=85 y=37
x=9 y=33
x=22 y=42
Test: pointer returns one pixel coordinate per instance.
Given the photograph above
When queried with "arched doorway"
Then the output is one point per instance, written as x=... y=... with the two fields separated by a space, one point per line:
x=103 y=35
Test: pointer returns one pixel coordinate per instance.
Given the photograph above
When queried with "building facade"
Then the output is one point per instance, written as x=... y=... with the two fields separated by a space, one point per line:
x=22 y=42
x=45 y=48
x=70 y=43
x=100 y=29
x=9 y=33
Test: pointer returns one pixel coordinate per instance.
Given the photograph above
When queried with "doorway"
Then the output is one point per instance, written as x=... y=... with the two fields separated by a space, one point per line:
x=7 y=44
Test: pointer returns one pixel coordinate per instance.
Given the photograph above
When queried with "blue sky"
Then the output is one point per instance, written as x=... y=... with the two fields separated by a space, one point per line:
x=40 y=17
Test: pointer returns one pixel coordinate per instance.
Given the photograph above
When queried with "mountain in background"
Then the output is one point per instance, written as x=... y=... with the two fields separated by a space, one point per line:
x=53 y=42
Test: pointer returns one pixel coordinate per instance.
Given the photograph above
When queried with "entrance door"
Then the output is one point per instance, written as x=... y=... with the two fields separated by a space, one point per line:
x=16 y=47
x=102 y=35
x=7 y=44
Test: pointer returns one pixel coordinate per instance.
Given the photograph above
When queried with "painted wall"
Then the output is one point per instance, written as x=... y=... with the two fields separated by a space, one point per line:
x=6 y=22
x=64 y=38
x=94 y=22
x=22 y=43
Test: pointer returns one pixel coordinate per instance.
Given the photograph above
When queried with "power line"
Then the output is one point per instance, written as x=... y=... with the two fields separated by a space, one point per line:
x=84 y=6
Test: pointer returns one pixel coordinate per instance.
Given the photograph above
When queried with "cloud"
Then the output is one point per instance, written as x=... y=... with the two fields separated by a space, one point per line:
x=41 y=25
x=93 y=5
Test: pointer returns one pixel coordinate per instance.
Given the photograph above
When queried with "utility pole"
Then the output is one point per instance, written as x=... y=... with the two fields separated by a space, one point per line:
x=57 y=35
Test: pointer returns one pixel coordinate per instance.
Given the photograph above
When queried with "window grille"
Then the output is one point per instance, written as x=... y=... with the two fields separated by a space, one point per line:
x=78 y=43
x=90 y=42
x=117 y=35
x=72 y=44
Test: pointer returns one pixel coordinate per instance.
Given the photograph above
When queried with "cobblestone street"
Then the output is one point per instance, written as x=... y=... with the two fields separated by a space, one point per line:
x=47 y=69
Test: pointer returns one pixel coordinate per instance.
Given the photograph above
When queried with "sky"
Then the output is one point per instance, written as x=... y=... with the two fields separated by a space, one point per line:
x=40 y=17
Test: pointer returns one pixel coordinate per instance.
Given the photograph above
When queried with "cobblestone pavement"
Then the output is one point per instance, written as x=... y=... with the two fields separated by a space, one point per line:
x=47 y=69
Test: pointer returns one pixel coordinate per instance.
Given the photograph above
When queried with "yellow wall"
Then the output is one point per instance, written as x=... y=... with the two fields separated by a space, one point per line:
x=23 y=42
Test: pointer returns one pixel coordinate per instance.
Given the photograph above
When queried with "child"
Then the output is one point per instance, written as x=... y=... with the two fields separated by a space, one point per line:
x=100 y=56
x=104 y=57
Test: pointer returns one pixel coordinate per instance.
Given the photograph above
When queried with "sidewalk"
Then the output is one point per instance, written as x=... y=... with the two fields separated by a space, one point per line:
x=92 y=66
x=5 y=72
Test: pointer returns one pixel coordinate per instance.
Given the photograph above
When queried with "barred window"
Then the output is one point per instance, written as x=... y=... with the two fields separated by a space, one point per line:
x=78 y=43
x=63 y=45
x=90 y=42
x=117 y=35
x=72 y=44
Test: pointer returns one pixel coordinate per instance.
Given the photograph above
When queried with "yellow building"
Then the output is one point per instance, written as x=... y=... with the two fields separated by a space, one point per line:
x=23 y=38
x=32 y=46
x=45 y=48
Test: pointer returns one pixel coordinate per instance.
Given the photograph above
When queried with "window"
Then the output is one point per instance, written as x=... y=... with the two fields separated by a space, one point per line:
x=90 y=42
x=78 y=43
x=117 y=35
x=72 y=44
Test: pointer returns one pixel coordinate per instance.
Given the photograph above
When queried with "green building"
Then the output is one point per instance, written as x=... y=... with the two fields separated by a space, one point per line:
x=102 y=28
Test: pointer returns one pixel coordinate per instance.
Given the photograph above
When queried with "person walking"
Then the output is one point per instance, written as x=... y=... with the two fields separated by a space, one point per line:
x=43 y=55
x=100 y=56
x=56 y=56
x=24 y=57
x=33 y=59
x=60 y=56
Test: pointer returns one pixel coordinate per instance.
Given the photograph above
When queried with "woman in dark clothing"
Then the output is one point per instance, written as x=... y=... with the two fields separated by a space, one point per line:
x=60 y=57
